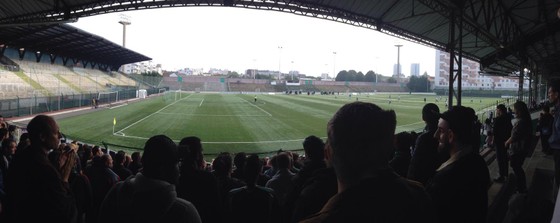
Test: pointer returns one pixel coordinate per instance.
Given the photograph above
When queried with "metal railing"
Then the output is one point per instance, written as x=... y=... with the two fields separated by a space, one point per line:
x=25 y=106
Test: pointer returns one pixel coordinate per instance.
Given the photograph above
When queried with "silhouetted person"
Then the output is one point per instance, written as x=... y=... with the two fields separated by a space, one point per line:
x=118 y=166
x=222 y=166
x=7 y=152
x=150 y=196
x=253 y=203
x=197 y=185
x=314 y=159
x=36 y=190
x=281 y=182
x=401 y=157
x=239 y=161
x=502 y=132
x=520 y=143
x=554 y=140
x=102 y=179
x=136 y=164
x=459 y=188
x=360 y=139
x=24 y=141
x=477 y=126
x=545 y=129
x=425 y=156
x=315 y=192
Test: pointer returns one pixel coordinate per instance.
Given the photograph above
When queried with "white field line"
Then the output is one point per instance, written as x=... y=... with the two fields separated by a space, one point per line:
x=258 y=108
x=50 y=114
x=118 y=106
x=201 y=103
x=171 y=113
x=416 y=123
x=120 y=134
x=120 y=131
x=254 y=142
x=272 y=141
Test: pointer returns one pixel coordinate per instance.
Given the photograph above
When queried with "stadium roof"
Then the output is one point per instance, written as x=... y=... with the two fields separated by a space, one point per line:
x=503 y=35
x=70 y=42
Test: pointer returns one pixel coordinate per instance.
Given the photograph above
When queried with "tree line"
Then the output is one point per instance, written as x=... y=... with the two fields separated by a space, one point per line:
x=370 y=76
x=419 y=84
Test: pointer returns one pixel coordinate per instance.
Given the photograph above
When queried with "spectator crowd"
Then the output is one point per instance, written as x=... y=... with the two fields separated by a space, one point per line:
x=363 y=172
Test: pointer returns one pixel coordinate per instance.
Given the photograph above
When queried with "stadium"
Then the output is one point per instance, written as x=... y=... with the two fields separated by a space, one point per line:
x=220 y=110
x=86 y=82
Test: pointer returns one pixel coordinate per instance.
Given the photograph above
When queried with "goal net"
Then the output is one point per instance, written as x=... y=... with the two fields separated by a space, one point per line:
x=107 y=98
x=169 y=96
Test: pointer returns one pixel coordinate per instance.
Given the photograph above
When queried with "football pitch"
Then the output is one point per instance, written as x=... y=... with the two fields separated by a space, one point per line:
x=234 y=122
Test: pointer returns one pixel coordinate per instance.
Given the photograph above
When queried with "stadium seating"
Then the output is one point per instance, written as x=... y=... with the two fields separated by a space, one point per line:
x=56 y=79
x=249 y=85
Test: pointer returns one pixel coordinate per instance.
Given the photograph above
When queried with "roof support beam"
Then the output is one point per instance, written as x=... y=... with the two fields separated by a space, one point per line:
x=38 y=55
x=21 y=52
x=53 y=58
x=520 y=83
x=451 y=50
x=3 y=49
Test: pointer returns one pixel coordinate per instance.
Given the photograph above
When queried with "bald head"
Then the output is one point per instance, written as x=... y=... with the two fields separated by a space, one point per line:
x=43 y=132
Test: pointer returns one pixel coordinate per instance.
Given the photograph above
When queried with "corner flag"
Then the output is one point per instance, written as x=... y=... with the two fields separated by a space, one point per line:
x=114 y=123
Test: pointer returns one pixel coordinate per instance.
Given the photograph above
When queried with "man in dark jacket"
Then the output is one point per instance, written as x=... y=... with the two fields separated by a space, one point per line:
x=545 y=129
x=253 y=203
x=459 y=188
x=38 y=191
x=102 y=179
x=554 y=139
x=314 y=159
x=196 y=184
x=118 y=166
x=425 y=156
x=315 y=193
x=150 y=196
x=502 y=131
x=360 y=140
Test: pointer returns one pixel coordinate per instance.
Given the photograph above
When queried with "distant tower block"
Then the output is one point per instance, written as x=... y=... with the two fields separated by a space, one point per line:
x=124 y=21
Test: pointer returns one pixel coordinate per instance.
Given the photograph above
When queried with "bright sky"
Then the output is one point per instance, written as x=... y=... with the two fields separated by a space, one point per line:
x=238 y=39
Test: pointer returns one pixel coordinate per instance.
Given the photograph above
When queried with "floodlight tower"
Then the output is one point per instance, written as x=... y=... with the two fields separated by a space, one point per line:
x=279 y=61
x=398 y=59
x=124 y=21
x=334 y=64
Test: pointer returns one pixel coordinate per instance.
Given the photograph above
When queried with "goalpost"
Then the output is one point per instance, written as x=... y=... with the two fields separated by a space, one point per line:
x=172 y=95
x=107 y=98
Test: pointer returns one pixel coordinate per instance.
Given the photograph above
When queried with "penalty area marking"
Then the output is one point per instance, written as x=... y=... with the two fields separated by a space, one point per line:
x=125 y=128
x=209 y=115
x=121 y=134
x=258 y=107
x=416 y=123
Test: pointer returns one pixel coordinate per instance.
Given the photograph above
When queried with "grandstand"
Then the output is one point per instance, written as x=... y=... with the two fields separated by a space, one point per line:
x=42 y=79
x=12 y=86
x=57 y=79
x=249 y=85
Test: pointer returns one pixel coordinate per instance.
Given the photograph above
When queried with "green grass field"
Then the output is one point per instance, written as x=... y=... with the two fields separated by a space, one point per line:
x=233 y=122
